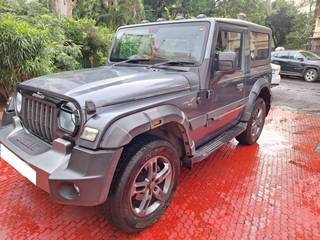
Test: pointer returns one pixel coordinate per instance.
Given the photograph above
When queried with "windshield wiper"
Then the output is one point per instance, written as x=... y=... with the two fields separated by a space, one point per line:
x=131 y=60
x=172 y=62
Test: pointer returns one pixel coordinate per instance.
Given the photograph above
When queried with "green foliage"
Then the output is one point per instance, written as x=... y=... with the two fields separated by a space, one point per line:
x=299 y=37
x=23 y=7
x=33 y=41
x=34 y=44
x=122 y=12
x=64 y=53
x=23 y=52
x=291 y=29
x=94 y=41
x=254 y=9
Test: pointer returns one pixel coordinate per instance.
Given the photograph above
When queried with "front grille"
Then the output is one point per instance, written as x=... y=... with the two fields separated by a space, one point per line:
x=39 y=117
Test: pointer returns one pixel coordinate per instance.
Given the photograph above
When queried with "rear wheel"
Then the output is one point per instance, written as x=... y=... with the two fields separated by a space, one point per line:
x=255 y=124
x=145 y=185
x=311 y=75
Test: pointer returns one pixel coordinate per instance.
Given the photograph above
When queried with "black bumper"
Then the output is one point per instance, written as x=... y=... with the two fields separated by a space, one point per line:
x=71 y=175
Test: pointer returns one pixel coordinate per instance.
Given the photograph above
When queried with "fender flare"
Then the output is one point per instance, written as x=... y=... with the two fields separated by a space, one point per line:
x=122 y=131
x=255 y=91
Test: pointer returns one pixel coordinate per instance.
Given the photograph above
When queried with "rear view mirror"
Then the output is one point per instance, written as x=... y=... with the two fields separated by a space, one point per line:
x=300 y=59
x=227 y=62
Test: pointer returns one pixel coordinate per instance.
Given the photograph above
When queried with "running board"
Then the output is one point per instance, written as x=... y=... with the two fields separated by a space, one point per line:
x=204 y=151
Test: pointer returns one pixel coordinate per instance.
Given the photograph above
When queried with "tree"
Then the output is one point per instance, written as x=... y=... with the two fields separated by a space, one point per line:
x=281 y=21
x=111 y=13
x=62 y=7
x=291 y=28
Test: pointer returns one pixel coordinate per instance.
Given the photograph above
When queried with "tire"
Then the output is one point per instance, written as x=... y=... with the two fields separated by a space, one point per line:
x=128 y=211
x=255 y=124
x=311 y=75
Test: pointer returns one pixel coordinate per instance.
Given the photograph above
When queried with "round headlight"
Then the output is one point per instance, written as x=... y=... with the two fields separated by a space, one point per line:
x=18 y=102
x=68 y=118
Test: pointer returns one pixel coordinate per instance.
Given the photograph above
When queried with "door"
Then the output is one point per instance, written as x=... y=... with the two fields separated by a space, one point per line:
x=282 y=59
x=226 y=89
x=296 y=63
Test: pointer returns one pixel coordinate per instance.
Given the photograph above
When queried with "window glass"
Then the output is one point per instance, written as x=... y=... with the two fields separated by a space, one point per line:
x=296 y=56
x=310 y=55
x=230 y=42
x=259 y=46
x=185 y=42
x=283 y=55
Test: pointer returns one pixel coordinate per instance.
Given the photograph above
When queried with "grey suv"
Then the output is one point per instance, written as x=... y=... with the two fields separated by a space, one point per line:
x=171 y=94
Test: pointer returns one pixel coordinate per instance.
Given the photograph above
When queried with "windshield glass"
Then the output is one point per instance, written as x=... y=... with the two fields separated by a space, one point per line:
x=310 y=55
x=167 y=42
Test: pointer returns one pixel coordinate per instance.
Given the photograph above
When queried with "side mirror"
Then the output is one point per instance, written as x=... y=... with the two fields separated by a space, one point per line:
x=300 y=59
x=227 y=62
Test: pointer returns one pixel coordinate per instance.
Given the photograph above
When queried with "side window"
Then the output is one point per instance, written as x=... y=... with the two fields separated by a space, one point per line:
x=259 y=46
x=230 y=42
x=297 y=56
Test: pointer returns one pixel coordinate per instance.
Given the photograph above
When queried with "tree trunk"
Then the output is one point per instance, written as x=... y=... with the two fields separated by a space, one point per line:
x=62 y=7
x=107 y=3
x=315 y=40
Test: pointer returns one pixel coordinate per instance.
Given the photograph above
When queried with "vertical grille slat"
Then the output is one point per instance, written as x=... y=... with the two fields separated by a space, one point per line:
x=38 y=117
x=50 y=122
x=46 y=122
x=28 y=113
x=41 y=120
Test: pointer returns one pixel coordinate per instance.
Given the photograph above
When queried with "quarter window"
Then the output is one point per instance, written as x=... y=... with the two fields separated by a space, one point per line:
x=230 y=42
x=259 y=46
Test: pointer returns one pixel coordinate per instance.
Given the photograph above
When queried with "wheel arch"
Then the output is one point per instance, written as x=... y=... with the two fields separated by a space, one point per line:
x=260 y=89
x=311 y=67
x=167 y=122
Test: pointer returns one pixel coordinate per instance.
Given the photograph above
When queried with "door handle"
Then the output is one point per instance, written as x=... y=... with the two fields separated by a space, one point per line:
x=240 y=86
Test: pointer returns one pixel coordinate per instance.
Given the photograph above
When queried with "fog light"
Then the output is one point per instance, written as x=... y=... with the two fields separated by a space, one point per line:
x=89 y=134
x=76 y=188
x=69 y=191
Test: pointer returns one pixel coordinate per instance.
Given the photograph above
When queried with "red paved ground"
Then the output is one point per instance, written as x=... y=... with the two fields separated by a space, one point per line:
x=266 y=191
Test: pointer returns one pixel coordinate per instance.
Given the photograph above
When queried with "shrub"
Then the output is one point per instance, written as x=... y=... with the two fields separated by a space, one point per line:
x=23 y=52
x=64 y=53
x=94 y=41
x=33 y=46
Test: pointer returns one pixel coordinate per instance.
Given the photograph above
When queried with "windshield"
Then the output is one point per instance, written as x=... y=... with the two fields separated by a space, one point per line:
x=158 y=43
x=310 y=55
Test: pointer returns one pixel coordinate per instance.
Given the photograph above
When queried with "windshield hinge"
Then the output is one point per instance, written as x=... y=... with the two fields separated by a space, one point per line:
x=204 y=95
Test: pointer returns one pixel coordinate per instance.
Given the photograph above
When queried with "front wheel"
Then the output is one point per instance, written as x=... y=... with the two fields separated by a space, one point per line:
x=146 y=184
x=311 y=75
x=255 y=124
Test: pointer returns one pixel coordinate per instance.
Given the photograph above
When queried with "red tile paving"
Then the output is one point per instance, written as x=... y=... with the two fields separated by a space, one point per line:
x=267 y=191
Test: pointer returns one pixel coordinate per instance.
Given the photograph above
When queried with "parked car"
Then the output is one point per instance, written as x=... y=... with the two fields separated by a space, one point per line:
x=276 y=77
x=298 y=63
x=173 y=92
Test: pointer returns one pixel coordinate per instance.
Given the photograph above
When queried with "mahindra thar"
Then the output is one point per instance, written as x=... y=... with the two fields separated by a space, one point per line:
x=171 y=93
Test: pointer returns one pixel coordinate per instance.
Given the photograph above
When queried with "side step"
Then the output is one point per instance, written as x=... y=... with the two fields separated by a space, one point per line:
x=204 y=151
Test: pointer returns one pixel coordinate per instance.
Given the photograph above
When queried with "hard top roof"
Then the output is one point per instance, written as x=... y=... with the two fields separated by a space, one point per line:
x=238 y=22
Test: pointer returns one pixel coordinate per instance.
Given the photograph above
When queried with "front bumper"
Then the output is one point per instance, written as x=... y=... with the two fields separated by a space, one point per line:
x=276 y=78
x=71 y=175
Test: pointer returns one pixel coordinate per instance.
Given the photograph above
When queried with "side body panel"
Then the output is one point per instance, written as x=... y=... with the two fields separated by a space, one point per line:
x=226 y=100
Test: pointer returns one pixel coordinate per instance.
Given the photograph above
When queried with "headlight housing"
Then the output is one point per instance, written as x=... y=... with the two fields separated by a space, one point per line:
x=18 y=102
x=69 y=118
